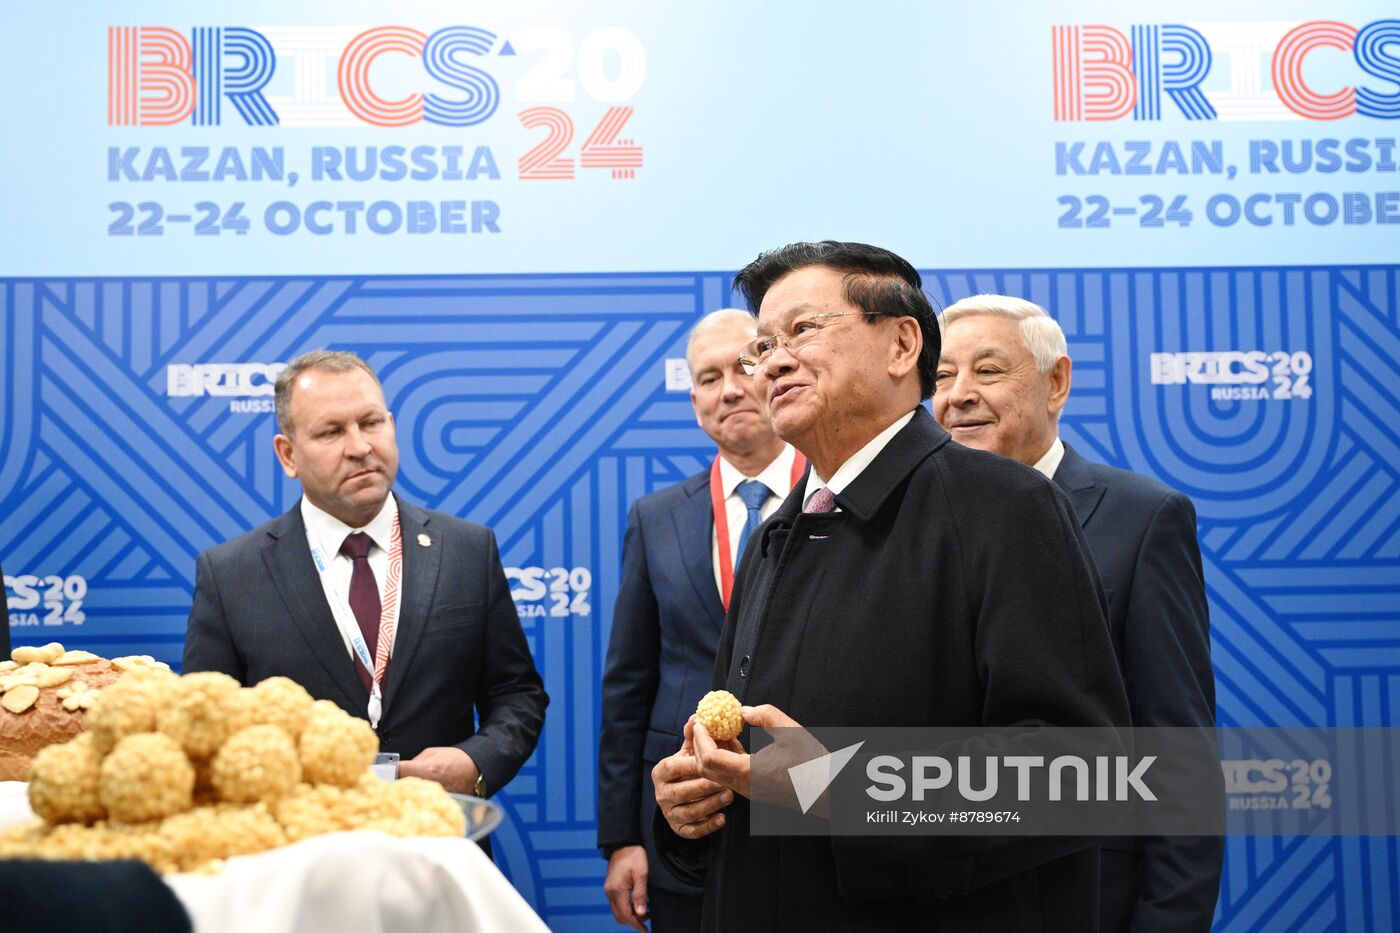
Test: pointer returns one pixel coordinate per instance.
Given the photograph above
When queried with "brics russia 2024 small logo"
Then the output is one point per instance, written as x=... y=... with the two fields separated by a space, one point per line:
x=555 y=592
x=249 y=386
x=1238 y=374
x=45 y=600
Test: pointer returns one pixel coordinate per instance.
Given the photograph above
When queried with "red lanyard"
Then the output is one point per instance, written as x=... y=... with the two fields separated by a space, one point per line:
x=726 y=562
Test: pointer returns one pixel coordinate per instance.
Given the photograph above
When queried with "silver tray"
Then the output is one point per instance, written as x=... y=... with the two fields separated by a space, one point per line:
x=483 y=816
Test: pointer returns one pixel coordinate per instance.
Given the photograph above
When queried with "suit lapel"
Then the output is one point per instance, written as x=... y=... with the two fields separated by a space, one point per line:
x=420 y=572
x=288 y=561
x=694 y=522
x=1077 y=480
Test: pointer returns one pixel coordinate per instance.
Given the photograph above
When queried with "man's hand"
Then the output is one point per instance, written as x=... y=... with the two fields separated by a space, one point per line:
x=626 y=886
x=448 y=765
x=689 y=802
x=726 y=763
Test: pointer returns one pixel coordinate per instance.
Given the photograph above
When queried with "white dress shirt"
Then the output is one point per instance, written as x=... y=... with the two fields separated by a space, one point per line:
x=847 y=472
x=329 y=533
x=777 y=476
x=1049 y=463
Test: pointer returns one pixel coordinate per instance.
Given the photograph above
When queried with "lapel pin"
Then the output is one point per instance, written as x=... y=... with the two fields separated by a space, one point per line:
x=425 y=541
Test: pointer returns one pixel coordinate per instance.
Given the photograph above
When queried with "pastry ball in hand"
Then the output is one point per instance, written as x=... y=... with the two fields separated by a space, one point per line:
x=256 y=763
x=720 y=713
x=146 y=777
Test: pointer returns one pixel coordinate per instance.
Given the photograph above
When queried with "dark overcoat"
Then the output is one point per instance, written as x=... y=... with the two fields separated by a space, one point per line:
x=952 y=588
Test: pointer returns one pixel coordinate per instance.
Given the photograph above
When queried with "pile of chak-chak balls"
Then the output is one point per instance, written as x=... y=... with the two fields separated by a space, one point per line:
x=183 y=772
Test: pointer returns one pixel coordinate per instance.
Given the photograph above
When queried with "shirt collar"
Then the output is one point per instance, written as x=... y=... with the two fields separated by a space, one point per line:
x=1049 y=463
x=858 y=461
x=330 y=531
x=777 y=476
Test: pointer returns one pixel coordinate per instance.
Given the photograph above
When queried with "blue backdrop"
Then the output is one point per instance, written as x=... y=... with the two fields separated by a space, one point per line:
x=1250 y=363
x=538 y=405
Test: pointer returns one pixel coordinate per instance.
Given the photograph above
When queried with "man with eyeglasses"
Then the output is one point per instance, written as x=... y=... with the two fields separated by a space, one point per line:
x=908 y=581
x=678 y=561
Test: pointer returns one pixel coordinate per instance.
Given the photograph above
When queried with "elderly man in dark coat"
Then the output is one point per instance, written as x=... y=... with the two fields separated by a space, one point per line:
x=908 y=582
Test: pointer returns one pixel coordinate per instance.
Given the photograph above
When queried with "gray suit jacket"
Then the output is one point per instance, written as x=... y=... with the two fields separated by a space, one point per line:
x=259 y=611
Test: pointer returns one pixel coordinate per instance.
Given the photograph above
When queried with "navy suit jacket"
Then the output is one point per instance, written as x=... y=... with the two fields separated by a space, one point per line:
x=1142 y=537
x=661 y=657
x=259 y=611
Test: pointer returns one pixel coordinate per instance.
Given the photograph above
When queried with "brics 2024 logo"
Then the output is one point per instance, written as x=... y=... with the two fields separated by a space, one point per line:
x=554 y=592
x=45 y=600
x=157 y=77
x=1101 y=74
x=1235 y=375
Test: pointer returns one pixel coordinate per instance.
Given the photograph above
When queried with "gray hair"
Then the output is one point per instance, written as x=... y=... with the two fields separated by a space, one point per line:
x=712 y=320
x=1039 y=331
x=329 y=361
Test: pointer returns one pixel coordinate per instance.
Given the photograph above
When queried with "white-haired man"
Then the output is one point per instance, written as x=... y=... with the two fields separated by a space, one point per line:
x=1002 y=381
x=682 y=545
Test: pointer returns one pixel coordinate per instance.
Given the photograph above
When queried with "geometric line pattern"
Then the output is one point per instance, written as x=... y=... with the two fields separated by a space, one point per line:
x=536 y=404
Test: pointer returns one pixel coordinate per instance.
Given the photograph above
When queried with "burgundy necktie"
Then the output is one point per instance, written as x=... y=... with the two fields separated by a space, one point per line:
x=364 y=598
x=820 y=501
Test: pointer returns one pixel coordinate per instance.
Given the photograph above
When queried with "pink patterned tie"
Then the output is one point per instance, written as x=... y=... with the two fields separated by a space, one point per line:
x=820 y=501
x=364 y=597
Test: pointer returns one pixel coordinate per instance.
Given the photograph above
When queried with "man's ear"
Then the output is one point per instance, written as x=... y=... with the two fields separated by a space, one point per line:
x=907 y=345
x=283 y=445
x=696 y=407
x=1059 y=384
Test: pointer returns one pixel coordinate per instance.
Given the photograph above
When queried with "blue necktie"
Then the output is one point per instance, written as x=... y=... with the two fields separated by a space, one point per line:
x=754 y=494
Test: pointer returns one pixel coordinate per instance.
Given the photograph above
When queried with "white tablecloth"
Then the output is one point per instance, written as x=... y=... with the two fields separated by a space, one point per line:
x=343 y=882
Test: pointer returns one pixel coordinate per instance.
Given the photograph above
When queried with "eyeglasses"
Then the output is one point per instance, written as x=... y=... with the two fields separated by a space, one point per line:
x=804 y=332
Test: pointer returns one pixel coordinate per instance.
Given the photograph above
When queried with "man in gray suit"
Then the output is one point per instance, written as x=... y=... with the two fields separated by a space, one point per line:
x=1003 y=377
x=399 y=615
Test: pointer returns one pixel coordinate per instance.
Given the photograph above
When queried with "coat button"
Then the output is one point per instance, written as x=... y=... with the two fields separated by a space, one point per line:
x=744 y=666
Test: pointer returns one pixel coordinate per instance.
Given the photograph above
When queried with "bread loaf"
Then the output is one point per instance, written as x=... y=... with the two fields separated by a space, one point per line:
x=45 y=695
